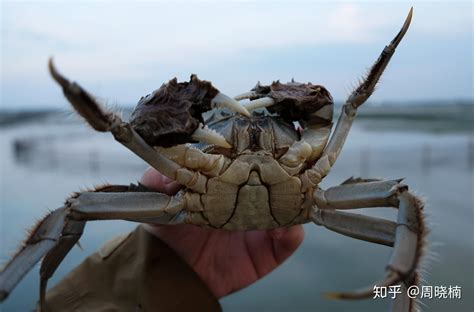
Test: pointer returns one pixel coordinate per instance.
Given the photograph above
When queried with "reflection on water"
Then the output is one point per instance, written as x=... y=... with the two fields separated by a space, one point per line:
x=42 y=163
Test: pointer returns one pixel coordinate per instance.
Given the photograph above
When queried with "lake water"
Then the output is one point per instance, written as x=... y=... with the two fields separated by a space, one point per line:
x=437 y=165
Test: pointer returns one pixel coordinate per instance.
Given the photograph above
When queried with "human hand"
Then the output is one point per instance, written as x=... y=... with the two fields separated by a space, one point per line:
x=225 y=260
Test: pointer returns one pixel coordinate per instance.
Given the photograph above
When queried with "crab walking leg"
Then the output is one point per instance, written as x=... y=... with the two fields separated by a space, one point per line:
x=358 y=97
x=370 y=229
x=147 y=207
x=43 y=237
x=60 y=230
x=359 y=195
x=409 y=232
x=103 y=121
x=41 y=240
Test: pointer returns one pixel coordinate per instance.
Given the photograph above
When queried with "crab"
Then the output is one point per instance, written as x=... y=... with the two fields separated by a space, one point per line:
x=245 y=167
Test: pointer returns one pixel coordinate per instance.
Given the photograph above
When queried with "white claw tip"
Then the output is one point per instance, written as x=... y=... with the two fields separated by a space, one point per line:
x=210 y=136
x=259 y=103
x=222 y=100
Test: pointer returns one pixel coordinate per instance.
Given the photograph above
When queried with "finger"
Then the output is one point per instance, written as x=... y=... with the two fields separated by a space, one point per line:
x=286 y=241
x=155 y=180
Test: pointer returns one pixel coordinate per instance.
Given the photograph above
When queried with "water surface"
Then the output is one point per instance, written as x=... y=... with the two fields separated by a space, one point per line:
x=438 y=165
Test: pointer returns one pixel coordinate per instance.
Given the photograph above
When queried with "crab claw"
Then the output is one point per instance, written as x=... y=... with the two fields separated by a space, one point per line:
x=251 y=95
x=292 y=101
x=259 y=103
x=209 y=136
x=173 y=114
x=222 y=100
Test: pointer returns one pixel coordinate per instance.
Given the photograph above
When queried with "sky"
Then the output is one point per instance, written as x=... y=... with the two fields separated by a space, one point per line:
x=120 y=51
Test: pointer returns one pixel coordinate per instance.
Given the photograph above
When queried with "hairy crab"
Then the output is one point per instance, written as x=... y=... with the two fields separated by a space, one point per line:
x=247 y=171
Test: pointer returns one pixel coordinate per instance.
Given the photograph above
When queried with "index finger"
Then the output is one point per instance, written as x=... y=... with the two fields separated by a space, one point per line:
x=155 y=180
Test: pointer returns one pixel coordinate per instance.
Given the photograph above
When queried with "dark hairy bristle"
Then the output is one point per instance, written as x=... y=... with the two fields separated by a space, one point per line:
x=421 y=246
x=82 y=102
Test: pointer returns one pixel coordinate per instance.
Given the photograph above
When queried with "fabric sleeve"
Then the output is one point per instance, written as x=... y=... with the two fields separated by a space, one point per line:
x=133 y=272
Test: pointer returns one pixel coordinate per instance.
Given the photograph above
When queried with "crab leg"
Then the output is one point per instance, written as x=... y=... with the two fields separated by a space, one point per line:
x=146 y=207
x=358 y=97
x=370 y=229
x=409 y=229
x=60 y=230
x=104 y=121
x=359 y=195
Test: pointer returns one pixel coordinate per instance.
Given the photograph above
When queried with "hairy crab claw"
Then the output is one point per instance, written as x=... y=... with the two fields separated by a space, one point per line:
x=172 y=114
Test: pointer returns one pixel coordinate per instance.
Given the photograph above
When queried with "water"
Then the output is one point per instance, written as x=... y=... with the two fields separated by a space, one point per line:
x=437 y=165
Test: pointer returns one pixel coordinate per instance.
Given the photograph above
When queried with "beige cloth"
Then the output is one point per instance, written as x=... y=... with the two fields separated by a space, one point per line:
x=134 y=272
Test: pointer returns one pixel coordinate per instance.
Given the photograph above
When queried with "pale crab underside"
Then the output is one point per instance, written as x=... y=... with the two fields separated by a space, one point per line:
x=251 y=171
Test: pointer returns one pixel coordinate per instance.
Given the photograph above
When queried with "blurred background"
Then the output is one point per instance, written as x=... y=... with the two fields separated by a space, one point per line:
x=418 y=125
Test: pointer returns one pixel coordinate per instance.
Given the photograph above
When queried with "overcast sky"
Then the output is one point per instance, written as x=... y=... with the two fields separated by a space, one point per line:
x=120 y=51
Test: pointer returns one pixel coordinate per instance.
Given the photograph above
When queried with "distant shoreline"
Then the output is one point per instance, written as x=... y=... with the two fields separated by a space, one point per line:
x=437 y=115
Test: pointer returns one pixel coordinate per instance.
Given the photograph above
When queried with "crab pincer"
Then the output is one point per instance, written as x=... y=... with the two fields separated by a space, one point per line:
x=172 y=114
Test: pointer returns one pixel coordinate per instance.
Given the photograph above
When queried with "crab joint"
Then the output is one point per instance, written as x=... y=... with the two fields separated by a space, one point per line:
x=222 y=100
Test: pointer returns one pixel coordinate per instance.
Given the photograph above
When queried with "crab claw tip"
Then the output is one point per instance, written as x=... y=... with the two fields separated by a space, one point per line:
x=222 y=100
x=332 y=296
x=349 y=296
x=260 y=103
x=56 y=75
x=3 y=295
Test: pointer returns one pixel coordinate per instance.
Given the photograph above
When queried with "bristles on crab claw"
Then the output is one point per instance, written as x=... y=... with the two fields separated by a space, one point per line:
x=259 y=103
x=209 y=136
x=222 y=100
